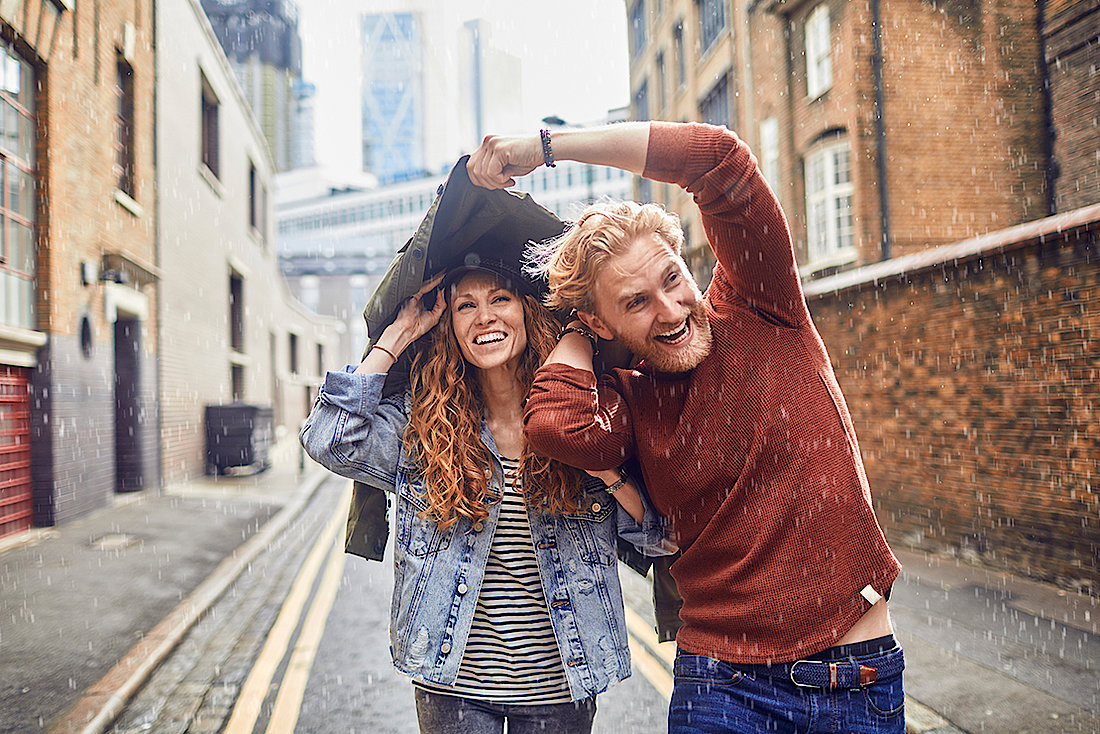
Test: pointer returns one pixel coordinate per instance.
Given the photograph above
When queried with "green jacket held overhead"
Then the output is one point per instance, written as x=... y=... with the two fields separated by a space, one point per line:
x=463 y=219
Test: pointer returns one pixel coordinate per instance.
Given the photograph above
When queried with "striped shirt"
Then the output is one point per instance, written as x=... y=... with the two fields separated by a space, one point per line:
x=511 y=655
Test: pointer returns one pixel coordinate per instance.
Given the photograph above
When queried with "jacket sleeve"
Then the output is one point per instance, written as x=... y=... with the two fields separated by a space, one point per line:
x=571 y=418
x=353 y=431
x=651 y=536
x=742 y=218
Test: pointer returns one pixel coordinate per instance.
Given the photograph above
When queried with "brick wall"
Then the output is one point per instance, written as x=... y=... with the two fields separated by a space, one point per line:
x=973 y=383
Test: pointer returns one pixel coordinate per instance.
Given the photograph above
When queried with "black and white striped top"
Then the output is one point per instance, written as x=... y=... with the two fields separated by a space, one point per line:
x=511 y=655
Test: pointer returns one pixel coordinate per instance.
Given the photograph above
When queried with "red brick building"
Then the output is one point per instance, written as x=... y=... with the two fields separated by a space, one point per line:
x=919 y=150
x=76 y=270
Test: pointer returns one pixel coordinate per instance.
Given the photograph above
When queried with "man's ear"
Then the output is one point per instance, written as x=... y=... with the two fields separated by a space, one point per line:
x=592 y=321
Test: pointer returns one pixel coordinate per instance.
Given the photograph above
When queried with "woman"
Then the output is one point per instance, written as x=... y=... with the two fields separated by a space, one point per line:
x=506 y=602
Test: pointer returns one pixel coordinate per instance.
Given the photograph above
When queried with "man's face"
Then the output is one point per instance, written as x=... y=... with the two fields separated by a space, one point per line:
x=647 y=299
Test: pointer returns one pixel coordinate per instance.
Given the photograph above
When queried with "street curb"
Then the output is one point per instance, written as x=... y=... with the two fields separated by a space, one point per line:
x=104 y=701
x=919 y=719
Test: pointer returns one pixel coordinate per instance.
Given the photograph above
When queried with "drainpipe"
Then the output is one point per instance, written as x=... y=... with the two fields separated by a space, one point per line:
x=1047 y=142
x=880 y=126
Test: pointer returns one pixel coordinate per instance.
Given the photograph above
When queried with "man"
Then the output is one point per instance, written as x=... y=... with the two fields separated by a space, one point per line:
x=737 y=420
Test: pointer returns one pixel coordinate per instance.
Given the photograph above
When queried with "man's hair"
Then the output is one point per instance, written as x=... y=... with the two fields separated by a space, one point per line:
x=571 y=262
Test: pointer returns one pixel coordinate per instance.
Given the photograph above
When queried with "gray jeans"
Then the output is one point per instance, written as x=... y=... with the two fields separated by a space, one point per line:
x=442 y=714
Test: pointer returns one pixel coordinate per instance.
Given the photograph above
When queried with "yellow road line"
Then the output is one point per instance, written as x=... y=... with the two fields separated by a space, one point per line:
x=288 y=704
x=254 y=690
x=642 y=639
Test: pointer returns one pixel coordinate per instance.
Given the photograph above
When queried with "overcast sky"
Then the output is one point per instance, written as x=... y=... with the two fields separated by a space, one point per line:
x=573 y=55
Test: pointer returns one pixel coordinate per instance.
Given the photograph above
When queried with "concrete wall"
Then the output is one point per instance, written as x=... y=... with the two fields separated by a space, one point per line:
x=204 y=236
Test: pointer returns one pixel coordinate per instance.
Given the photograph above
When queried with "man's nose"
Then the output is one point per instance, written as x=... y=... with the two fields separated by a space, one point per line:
x=669 y=307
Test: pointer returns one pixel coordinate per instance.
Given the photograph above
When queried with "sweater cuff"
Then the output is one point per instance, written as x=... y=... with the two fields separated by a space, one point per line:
x=571 y=376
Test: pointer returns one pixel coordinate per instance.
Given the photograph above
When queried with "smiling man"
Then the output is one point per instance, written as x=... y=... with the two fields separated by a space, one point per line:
x=738 y=422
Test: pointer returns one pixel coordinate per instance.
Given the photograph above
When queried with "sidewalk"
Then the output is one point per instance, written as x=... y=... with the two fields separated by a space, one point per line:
x=90 y=608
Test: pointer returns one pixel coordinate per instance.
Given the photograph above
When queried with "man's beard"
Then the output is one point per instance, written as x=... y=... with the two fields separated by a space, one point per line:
x=683 y=359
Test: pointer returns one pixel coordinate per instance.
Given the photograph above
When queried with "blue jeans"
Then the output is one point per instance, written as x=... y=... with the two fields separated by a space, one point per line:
x=711 y=696
x=439 y=713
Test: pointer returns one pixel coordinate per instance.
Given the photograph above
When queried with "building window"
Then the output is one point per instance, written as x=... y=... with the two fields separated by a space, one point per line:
x=660 y=83
x=236 y=312
x=320 y=359
x=637 y=28
x=124 y=127
x=641 y=102
x=819 y=65
x=293 y=354
x=829 y=206
x=18 y=252
x=681 y=62
x=769 y=151
x=310 y=292
x=257 y=201
x=715 y=107
x=236 y=377
x=209 y=127
x=712 y=21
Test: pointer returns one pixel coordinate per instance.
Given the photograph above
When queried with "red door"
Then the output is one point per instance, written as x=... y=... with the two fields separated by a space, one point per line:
x=15 y=450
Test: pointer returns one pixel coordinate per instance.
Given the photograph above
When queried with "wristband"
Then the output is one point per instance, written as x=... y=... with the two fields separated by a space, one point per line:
x=583 y=331
x=383 y=349
x=618 y=484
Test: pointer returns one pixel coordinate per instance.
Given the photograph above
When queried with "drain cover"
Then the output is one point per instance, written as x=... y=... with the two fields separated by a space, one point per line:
x=114 y=541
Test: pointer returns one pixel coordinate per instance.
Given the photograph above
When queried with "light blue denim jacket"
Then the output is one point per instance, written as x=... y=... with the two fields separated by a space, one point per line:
x=355 y=432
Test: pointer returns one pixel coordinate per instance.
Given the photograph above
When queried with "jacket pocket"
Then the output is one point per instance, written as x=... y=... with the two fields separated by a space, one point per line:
x=592 y=528
x=417 y=535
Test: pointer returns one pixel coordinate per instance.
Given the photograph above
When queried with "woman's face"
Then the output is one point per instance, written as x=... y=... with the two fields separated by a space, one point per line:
x=488 y=321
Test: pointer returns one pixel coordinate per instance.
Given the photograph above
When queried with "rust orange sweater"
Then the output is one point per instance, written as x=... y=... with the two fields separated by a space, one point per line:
x=752 y=454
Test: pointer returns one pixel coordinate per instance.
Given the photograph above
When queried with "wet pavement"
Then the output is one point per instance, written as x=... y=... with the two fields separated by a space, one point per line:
x=94 y=612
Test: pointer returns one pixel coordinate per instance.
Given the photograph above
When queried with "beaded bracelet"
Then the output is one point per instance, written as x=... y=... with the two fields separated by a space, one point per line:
x=547 y=152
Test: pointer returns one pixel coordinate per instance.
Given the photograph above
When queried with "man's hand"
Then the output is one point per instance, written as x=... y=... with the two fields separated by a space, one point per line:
x=499 y=160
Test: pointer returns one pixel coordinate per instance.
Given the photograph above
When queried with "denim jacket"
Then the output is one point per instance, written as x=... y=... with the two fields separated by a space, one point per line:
x=355 y=432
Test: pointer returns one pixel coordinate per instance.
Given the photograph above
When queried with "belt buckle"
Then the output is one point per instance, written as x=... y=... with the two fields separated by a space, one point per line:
x=794 y=665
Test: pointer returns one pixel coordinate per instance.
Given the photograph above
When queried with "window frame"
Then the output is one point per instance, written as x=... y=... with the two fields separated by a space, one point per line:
x=819 y=52
x=835 y=245
x=712 y=23
x=210 y=153
x=125 y=156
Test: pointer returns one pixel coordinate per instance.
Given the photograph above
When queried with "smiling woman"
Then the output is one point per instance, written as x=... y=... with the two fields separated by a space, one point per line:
x=507 y=606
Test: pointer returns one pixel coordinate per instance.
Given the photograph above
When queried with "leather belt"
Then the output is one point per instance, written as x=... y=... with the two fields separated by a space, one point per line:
x=843 y=674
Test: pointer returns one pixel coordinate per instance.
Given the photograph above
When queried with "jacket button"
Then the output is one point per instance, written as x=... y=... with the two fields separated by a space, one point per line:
x=596 y=507
x=463 y=588
x=478 y=526
x=445 y=648
x=418 y=254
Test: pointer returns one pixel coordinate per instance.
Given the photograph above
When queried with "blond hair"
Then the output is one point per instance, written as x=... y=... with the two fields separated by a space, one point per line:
x=571 y=262
x=444 y=431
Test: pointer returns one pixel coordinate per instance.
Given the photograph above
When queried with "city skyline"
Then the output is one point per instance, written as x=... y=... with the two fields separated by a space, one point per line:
x=556 y=59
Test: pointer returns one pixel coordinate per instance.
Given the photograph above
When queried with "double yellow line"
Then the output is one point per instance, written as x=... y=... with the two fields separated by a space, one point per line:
x=652 y=658
x=288 y=702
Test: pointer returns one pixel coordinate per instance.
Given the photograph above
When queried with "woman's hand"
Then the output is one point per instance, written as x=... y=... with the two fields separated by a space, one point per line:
x=499 y=160
x=412 y=322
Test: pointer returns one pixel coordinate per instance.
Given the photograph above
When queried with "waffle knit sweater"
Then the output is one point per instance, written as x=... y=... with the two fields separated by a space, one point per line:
x=752 y=454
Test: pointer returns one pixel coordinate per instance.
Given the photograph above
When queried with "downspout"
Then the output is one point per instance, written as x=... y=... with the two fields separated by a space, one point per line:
x=1047 y=142
x=880 y=126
